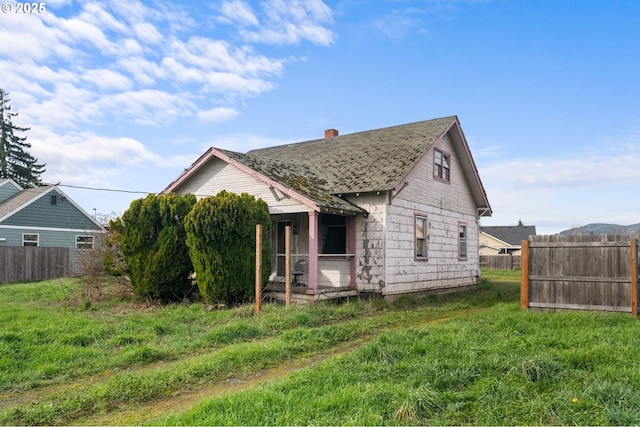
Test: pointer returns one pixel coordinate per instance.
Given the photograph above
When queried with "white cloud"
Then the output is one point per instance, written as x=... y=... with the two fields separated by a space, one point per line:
x=239 y=12
x=220 y=114
x=552 y=193
x=108 y=79
x=291 y=22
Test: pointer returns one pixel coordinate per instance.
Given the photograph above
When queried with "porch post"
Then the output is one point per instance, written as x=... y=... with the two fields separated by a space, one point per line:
x=313 y=252
x=351 y=248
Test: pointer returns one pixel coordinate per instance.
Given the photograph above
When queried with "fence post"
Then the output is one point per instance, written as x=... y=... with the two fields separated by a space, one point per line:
x=634 y=277
x=258 y=267
x=524 y=275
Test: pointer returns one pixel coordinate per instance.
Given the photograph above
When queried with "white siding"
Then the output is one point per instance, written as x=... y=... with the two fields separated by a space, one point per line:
x=446 y=205
x=218 y=175
x=333 y=272
x=370 y=242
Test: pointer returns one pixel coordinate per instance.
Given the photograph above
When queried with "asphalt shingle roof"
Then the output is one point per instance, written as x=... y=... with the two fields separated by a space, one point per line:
x=20 y=199
x=514 y=235
x=374 y=160
x=297 y=177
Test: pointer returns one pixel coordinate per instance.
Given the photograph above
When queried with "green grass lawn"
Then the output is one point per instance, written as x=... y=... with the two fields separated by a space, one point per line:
x=465 y=358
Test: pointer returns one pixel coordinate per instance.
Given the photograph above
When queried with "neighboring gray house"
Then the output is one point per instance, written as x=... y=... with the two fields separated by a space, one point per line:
x=44 y=216
x=388 y=211
x=504 y=239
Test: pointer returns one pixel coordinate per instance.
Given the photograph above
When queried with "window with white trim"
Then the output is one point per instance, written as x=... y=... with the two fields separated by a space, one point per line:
x=30 y=239
x=462 y=241
x=441 y=165
x=84 y=242
x=421 y=237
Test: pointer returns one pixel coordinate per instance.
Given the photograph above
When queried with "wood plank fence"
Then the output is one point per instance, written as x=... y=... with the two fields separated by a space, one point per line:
x=581 y=272
x=31 y=264
x=500 y=262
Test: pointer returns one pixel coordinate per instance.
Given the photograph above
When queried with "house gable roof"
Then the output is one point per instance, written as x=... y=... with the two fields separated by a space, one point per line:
x=8 y=188
x=21 y=201
x=374 y=160
x=294 y=180
x=513 y=235
x=379 y=159
x=370 y=161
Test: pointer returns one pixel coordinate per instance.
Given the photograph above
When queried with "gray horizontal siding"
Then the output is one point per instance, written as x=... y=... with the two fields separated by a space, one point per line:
x=47 y=238
x=41 y=213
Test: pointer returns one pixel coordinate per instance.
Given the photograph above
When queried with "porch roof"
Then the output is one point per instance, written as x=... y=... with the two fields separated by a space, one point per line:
x=297 y=177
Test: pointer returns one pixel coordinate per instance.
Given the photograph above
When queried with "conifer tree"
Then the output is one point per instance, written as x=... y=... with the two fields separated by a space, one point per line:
x=15 y=161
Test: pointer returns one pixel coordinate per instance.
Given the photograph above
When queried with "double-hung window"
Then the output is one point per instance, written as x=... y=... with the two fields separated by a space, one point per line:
x=84 y=242
x=462 y=242
x=441 y=165
x=421 y=237
x=30 y=240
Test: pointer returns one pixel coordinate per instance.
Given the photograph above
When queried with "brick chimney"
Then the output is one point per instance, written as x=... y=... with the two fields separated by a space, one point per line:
x=330 y=133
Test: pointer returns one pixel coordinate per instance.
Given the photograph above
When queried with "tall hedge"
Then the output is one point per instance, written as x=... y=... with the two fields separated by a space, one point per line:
x=221 y=236
x=154 y=245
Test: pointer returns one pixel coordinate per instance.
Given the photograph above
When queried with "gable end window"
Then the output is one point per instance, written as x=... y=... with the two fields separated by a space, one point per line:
x=54 y=199
x=84 y=242
x=421 y=237
x=441 y=165
x=30 y=240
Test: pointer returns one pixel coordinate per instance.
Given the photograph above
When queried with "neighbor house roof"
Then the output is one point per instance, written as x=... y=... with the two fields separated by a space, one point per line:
x=24 y=198
x=375 y=160
x=513 y=235
x=20 y=200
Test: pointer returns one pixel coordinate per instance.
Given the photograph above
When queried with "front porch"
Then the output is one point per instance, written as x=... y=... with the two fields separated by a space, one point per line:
x=302 y=294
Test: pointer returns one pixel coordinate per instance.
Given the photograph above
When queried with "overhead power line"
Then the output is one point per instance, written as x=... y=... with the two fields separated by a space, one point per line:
x=105 y=189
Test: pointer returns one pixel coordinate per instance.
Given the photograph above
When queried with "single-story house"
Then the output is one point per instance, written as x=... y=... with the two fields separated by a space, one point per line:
x=44 y=216
x=500 y=240
x=388 y=211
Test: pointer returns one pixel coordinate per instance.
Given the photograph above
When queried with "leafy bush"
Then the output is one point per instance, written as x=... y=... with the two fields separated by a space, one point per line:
x=221 y=238
x=154 y=244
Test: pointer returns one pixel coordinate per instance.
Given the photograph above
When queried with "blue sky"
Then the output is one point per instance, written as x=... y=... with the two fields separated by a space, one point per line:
x=123 y=95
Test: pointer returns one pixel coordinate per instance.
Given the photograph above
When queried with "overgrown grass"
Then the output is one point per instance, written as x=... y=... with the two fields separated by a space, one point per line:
x=51 y=337
x=503 y=366
x=501 y=275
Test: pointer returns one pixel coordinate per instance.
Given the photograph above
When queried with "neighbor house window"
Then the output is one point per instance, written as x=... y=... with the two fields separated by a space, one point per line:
x=333 y=234
x=30 y=240
x=462 y=241
x=54 y=199
x=84 y=242
x=421 y=237
x=441 y=165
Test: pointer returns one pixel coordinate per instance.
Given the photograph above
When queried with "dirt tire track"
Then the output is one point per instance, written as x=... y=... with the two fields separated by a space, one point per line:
x=185 y=400
x=182 y=400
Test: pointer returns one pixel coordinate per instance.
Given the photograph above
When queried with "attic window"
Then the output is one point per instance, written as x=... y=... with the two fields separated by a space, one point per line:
x=54 y=199
x=441 y=165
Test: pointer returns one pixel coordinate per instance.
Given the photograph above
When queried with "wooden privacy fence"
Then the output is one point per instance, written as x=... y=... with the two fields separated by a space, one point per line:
x=582 y=272
x=31 y=264
x=500 y=262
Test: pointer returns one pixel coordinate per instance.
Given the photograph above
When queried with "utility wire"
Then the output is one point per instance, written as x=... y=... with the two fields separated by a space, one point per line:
x=105 y=189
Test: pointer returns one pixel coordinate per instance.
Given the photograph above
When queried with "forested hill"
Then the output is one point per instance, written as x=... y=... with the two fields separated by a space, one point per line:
x=599 y=228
